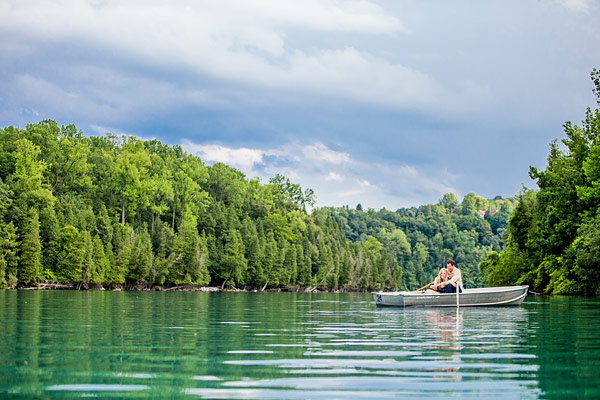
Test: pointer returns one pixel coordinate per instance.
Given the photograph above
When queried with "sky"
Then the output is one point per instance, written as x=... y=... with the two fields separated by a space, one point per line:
x=390 y=104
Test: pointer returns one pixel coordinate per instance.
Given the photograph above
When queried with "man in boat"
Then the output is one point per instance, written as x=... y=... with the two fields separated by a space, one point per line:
x=454 y=279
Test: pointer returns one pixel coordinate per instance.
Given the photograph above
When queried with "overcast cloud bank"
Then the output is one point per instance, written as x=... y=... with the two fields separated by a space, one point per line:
x=386 y=104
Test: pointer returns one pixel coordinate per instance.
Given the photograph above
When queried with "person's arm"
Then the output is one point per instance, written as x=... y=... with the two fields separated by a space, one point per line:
x=456 y=276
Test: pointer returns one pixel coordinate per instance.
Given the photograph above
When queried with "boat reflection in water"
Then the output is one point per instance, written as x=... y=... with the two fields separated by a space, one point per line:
x=446 y=325
x=462 y=345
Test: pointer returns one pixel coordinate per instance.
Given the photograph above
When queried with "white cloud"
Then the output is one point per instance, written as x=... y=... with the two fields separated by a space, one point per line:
x=318 y=152
x=350 y=73
x=364 y=183
x=575 y=5
x=243 y=158
x=334 y=176
x=235 y=40
x=374 y=185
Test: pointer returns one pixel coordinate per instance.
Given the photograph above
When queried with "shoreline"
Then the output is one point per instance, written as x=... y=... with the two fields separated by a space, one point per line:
x=191 y=288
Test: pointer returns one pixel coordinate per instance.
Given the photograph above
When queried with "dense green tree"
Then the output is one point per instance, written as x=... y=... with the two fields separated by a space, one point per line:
x=253 y=252
x=140 y=262
x=163 y=240
x=67 y=161
x=27 y=181
x=102 y=162
x=303 y=262
x=552 y=233
x=449 y=201
x=280 y=226
x=8 y=255
x=234 y=262
x=8 y=241
x=162 y=192
x=290 y=266
x=70 y=255
x=189 y=177
x=269 y=264
x=99 y=263
x=420 y=239
x=131 y=177
x=469 y=204
x=258 y=201
x=190 y=255
x=226 y=185
x=121 y=248
x=49 y=229
x=30 y=260
x=287 y=195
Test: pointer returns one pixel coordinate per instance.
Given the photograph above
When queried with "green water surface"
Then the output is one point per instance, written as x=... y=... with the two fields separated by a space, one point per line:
x=65 y=344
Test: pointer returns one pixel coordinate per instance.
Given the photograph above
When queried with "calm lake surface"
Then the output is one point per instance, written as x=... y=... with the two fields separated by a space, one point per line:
x=64 y=344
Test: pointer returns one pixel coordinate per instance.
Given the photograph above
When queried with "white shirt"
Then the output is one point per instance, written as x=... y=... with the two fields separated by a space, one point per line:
x=455 y=277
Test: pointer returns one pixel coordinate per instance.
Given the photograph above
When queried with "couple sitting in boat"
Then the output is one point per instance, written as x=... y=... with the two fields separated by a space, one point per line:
x=447 y=280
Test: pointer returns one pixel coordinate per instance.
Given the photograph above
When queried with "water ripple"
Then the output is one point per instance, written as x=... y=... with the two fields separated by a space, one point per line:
x=284 y=346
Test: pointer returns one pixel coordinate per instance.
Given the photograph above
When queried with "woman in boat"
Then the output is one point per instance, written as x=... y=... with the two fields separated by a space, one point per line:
x=436 y=284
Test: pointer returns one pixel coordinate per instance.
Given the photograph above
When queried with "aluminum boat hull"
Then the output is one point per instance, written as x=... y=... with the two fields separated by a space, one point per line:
x=495 y=296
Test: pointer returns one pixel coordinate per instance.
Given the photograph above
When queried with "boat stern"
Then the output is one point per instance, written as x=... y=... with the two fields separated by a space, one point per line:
x=388 y=299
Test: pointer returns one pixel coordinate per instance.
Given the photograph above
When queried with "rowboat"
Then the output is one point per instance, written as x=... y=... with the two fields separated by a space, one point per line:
x=494 y=296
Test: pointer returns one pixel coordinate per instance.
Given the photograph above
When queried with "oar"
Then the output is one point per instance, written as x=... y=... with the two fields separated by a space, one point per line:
x=457 y=293
x=424 y=287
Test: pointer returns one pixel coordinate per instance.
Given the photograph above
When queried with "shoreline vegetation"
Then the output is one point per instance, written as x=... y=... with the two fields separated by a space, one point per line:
x=191 y=288
x=195 y=288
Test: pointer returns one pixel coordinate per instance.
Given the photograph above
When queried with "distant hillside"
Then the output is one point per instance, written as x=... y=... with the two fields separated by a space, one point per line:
x=420 y=239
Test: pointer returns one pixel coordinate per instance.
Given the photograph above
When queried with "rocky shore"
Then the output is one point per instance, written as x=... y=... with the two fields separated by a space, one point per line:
x=188 y=288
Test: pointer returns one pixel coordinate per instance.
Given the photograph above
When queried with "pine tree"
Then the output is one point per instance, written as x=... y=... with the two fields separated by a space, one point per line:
x=30 y=261
x=140 y=262
x=302 y=266
x=163 y=241
x=233 y=261
x=49 y=229
x=99 y=260
x=121 y=249
x=88 y=265
x=70 y=255
x=189 y=258
x=201 y=260
x=270 y=258
x=290 y=266
x=253 y=253
x=8 y=255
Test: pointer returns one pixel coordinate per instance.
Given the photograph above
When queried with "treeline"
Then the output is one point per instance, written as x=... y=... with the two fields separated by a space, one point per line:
x=421 y=238
x=121 y=212
x=553 y=241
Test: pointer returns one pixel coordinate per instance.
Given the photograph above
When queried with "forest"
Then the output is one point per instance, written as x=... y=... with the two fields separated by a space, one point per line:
x=119 y=212
x=553 y=235
x=422 y=238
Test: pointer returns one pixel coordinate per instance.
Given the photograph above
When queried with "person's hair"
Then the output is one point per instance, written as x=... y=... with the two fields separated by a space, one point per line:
x=440 y=273
x=451 y=262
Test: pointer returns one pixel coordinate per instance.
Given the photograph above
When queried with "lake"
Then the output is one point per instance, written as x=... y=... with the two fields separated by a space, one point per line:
x=63 y=344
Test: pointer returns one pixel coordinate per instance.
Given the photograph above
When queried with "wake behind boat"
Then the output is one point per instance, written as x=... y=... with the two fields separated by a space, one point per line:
x=495 y=296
